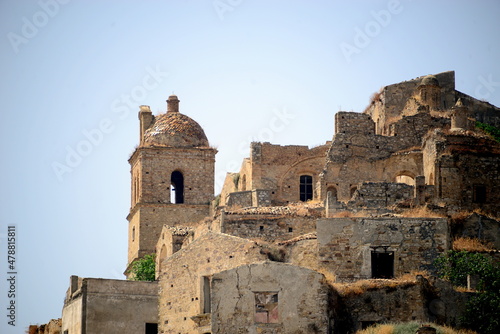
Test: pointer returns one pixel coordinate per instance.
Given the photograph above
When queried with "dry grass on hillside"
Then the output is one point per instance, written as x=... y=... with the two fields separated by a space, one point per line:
x=360 y=287
x=351 y=214
x=421 y=212
x=410 y=328
x=460 y=217
x=472 y=245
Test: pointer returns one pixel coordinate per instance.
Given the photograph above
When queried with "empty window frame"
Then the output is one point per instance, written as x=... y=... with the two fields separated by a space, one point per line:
x=151 y=328
x=479 y=193
x=306 y=188
x=177 y=188
x=206 y=295
x=382 y=264
x=266 y=307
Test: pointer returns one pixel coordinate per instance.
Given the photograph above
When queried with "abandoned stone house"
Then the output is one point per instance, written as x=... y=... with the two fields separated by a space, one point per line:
x=269 y=254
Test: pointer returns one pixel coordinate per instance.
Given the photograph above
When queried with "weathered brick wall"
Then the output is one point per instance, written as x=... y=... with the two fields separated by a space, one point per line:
x=171 y=240
x=267 y=227
x=228 y=187
x=249 y=198
x=396 y=303
x=354 y=123
x=478 y=226
x=300 y=302
x=246 y=181
x=483 y=111
x=240 y=199
x=181 y=283
x=346 y=244
x=421 y=300
x=151 y=171
x=345 y=175
x=393 y=98
x=463 y=163
x=303 y=252
x=362 y=142
x=411 y=129
x=154 y=167
x=278 y=169
x=148 y=219
x=381 y=194
x=53 y=327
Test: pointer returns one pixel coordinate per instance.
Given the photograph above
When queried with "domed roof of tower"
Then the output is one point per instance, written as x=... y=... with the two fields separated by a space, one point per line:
x=429 y=80
x=174 y=129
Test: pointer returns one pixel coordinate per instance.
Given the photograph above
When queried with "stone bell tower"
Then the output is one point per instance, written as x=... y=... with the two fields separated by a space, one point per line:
x=172 y=173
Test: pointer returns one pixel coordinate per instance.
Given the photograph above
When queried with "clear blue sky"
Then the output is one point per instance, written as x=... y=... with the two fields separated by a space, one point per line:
x=245 y=70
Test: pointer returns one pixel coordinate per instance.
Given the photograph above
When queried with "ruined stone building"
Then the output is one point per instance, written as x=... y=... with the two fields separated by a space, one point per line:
x=285 y=245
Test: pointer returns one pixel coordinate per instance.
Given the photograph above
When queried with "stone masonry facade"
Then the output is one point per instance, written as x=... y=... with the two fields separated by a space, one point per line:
x=304 y=240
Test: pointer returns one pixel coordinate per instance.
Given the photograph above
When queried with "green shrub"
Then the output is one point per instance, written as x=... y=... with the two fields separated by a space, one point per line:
x=483 y=308
x=493 y=131
x=144 y=269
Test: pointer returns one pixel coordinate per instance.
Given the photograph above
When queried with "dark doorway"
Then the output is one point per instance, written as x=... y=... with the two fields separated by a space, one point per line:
x=382 y=264
x=177 y=194
x=306 y=188
x=206 y=294
x=151 y=328
x=479 y=193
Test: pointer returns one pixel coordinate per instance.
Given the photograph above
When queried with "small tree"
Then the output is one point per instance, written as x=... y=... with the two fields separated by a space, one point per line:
x=144 y=269
x=483 y=308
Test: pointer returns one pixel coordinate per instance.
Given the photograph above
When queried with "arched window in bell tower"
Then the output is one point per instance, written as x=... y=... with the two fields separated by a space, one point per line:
x=177 y=188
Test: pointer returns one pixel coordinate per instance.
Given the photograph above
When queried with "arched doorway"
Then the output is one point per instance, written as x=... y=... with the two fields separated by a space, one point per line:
x=332 y=190
x=405 y=177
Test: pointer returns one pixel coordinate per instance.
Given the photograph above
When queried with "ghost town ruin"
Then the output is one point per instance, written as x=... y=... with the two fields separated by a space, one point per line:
x=284 y=247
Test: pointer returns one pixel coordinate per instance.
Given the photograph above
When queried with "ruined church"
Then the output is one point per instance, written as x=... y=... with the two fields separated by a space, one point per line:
x=285 y=245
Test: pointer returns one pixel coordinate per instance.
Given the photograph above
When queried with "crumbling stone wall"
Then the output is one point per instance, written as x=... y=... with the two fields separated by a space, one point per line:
x=53 y=327
x=477 y=226
x=390 y=102
x=270 y=297
x=303 y=251
x=421 y=300
x=230 y=185
x=182 y=294
x=278 y=168
x=402 y=302
x=460 y=166
x=171 y=240
x=269 y=227
x=373 y=195
x=249 y=198
x=483 y=111
x=346 y=244
x=147 y=220
x=241 y=199
x=343 y=174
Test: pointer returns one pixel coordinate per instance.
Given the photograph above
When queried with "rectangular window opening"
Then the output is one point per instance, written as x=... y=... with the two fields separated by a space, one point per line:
x=479 y=193
x=382 y=264
x=306 y=188
x=206 y=295
x=266 y=308
x=151 y=328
